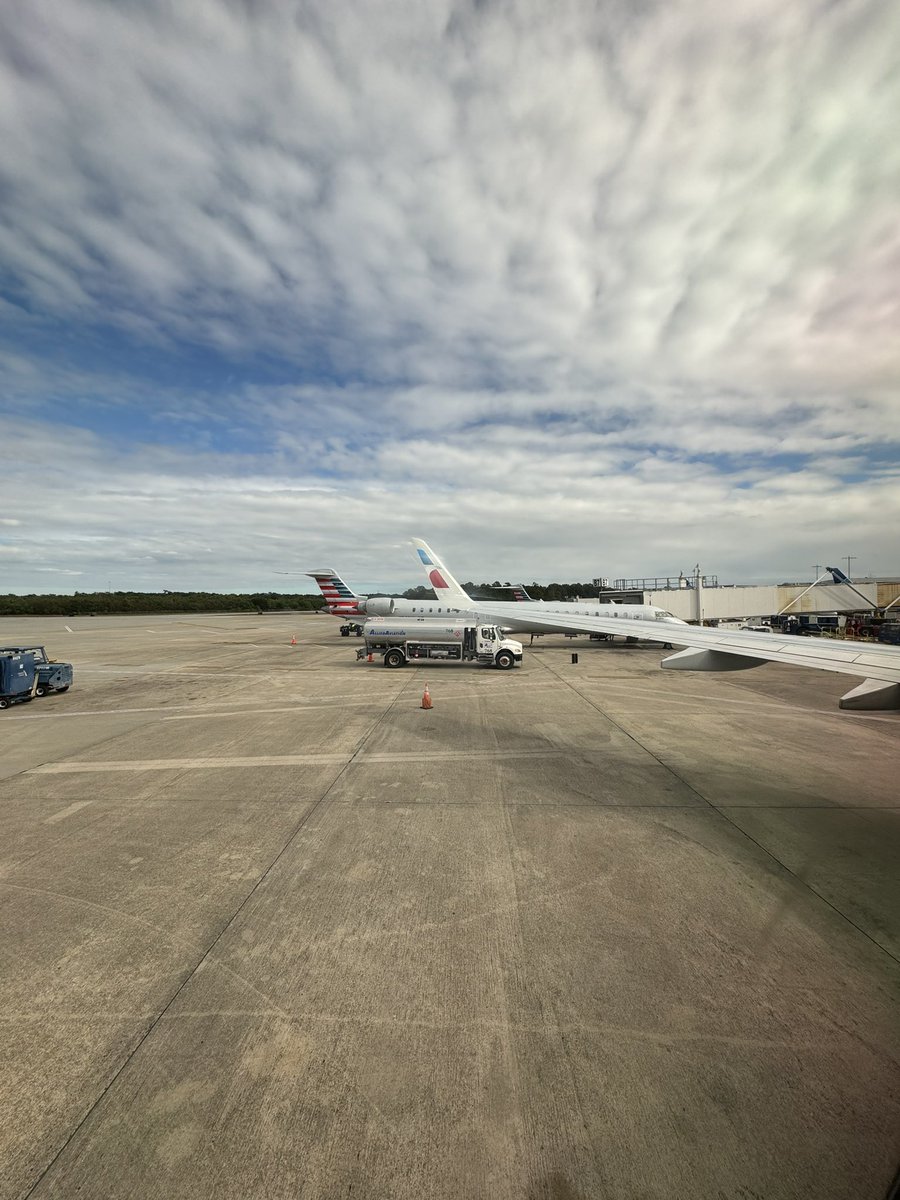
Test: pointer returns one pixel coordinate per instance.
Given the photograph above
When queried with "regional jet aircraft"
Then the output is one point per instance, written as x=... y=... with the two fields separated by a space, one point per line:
x=517 y=616
x=342 y=601
x=710 y=649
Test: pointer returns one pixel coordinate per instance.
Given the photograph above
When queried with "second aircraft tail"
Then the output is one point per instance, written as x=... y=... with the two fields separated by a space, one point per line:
x=446 y=588
x=341 y=599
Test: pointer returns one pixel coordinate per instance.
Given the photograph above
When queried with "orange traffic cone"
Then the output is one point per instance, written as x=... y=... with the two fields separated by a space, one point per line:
x=293 y=639
x=426 y=698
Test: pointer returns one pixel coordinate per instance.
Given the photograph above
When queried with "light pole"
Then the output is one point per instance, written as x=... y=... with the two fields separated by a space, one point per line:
x=698 y=593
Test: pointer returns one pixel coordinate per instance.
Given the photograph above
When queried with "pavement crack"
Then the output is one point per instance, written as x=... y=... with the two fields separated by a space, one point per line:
x=723 y=813
x=190 y=974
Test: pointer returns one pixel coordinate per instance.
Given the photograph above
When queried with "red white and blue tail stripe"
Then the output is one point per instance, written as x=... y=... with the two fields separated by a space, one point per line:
x=341 y=600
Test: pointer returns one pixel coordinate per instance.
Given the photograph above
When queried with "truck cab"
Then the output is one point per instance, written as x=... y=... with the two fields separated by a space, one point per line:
x=492 y=647
x=487 y=641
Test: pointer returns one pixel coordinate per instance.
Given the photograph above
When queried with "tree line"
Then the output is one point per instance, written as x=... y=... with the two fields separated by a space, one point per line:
x=84 y=604
x=121 y=603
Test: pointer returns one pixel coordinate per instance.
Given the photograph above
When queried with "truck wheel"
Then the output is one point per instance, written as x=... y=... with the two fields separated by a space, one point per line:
x=394 y=658
x=4 y=703
x=40 y=691
x=504 y=660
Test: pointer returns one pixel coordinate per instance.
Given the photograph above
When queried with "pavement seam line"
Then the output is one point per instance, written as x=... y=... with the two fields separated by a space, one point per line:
x=313 y=808
x=804 y=883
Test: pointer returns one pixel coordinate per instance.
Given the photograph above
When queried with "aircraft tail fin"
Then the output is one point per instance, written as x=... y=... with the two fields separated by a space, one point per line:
x=339 y=597
x=838 y=575
x=518 y=592
x=446 y=588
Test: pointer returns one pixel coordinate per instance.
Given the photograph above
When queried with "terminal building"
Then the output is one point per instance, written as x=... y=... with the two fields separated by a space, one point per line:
x=701 y=598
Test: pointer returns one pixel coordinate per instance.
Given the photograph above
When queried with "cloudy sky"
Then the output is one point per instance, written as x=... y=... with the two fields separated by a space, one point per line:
x=568 y=289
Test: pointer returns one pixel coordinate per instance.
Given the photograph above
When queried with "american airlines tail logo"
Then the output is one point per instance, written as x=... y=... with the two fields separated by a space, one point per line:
x=340 y=599
x=435 y=578
x=335 y=587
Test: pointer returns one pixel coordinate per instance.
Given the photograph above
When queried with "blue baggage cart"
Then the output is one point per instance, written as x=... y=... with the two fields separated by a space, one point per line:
x=51 y=676
x=18 y=676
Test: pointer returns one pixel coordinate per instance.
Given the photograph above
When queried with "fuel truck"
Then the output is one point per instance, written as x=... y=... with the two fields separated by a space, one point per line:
x=417 y=639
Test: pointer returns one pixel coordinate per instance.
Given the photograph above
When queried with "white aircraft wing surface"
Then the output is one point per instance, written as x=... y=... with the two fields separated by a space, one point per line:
x=734 y=650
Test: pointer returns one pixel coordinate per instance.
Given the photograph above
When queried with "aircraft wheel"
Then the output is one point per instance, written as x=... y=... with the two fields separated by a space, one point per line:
x=4 y=703
x=40 y=691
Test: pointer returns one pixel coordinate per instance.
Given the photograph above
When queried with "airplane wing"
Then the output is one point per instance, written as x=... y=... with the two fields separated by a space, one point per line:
x=735 y=650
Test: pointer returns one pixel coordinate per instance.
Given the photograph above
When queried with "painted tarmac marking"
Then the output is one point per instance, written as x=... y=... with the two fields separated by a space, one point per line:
x=68 y=628
x=472 y=690
x=482 y=1024
x=67 y=812
x=413 y=756
x=209 y=712
x=282 y=760
x=199 y=966
x=186 y=764
x=260 y=712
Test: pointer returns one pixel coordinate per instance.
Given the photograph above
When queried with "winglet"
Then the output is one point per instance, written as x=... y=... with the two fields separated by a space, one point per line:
x=446 y=588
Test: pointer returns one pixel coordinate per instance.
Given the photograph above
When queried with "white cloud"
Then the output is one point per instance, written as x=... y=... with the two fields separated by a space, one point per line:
x=681 y=188
x=593 y=274
x=536 y=508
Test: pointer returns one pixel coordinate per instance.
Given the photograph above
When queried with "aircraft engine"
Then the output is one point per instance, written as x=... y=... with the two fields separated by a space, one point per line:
x=379 y=606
